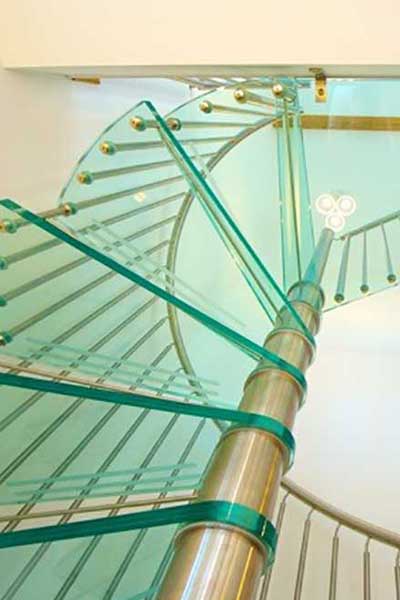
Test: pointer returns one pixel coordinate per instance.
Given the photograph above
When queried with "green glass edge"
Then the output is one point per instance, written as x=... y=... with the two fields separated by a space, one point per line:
x=231 y=223
x=251 y=348
x=217 y=511
x=246 y=419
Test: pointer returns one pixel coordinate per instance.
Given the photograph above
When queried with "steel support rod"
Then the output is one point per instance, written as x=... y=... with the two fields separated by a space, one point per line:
x=215 y=562
x=341 y=284
x=397 y=575
x=303 y=557
x=334 y=565
x=279 y=520
x=367 y=571
x=364 y=288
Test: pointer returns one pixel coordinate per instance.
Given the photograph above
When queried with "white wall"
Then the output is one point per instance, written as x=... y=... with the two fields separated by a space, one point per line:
x=157 y=34
x=47 y=122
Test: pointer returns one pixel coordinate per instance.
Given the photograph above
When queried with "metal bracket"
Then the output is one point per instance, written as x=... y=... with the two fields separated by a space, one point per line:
x=321 y=90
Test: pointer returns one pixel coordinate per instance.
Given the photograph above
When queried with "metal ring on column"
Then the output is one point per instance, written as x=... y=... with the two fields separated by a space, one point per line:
x=271 y=367
x=295 y=303
x=236 y=517
x=299 y=285
x=276 y=429
x=294 y=331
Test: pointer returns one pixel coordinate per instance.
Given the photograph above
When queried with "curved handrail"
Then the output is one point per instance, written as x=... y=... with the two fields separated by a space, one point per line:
x=370 y=530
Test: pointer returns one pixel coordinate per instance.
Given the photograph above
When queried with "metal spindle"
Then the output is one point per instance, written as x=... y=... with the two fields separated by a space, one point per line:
x=49 y=244
x=208 y=107
x=110 y=148
x=11 y=226
x=97 y=201
x=88 y=177
x=177 y=124
x=364 y=284
x=367 y=571
x=46 y=312
x=341 y=284
x=244 y=96
x=278 y=527
x=397 y=575
x=303 y=557
x=334 y=564
x=391 y=276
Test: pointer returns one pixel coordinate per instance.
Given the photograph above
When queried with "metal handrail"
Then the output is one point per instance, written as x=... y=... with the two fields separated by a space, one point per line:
x=370 y=530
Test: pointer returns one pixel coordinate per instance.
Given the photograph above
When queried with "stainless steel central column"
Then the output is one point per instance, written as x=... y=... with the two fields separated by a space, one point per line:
x=217 y=562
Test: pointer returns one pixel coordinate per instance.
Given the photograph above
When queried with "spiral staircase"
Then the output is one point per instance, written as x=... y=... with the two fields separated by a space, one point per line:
x=128 y=329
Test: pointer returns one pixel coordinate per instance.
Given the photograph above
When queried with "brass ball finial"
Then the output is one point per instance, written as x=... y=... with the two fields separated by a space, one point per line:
x=339 y=298
x=85 y=177
x=206 y=106
x=7 y=226
x=107 y=148
x=174 y=124
x=239 y=95
x=3 y=263
x=138 y=123
x=277 y=90
x=69 y=209
x=5 y=338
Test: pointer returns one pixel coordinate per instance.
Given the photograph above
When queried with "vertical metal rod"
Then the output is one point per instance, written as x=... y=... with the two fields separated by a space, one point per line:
x=278 y=527
x=292 y=188
x=334 y=565
x=391 y=276
x=318 y=262
x=364 y=283
x=341 y=284
x=212 y=562
x=397 y=575
x=367 y=571
x=303 y=557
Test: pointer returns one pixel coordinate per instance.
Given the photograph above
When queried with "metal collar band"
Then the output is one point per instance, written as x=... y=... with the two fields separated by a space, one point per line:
x=265 y=366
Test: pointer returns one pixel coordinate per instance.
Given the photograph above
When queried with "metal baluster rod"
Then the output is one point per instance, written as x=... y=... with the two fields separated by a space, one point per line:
x=88 y=177
x=364 y=288
x=213 y=562
x=303 y=557
x=334 y=565
x=397 y=575
x=391 y=276
x=278 y=527
x=110 y=148
x=208 y=107
x=11 y=226
x=367 y=571
x=341 y=284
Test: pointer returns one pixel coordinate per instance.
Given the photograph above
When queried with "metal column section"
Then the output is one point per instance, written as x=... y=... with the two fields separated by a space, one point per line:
x=217 y=562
